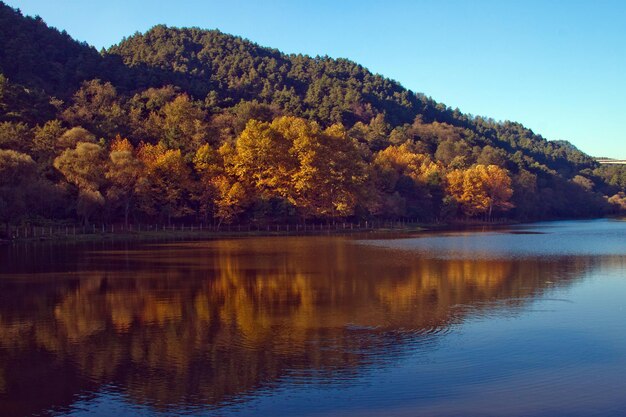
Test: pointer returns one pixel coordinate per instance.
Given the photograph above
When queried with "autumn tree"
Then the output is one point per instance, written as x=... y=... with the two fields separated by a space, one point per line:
x=17 y=176
x=330 y=174
x=15 y=136
x=481 y=189
x=230 y=198
x=165 y=189
x=84 y=167
x=406 y=179
x=124 y=172
x=319 y=172
x=72 y=137
x=498 y=186
x=618 y=201
x=212 y=191
x=263 y=158
x=583 y=182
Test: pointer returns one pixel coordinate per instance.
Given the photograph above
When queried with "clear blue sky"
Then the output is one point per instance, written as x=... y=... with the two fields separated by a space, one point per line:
x=558 y=67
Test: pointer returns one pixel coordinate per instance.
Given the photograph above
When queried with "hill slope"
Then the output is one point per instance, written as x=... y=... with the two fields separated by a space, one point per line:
x=188 y=87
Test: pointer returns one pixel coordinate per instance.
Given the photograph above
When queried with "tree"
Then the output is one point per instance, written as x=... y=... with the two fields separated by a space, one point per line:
x=165 y=189
x=498 y=187
x=180 y=124
x=319 y=172
x=46 y=141
x=209 y=164
x=15 y=135
x=481 y=189
x=72 y=137
x=263 y=158
x=96 y=106
x=330 y=174
x=84 y=167
x=453 y=152
x=407 y=176
x=492 y=156
x=230 y=198
x=618 y=201
x=583 y=182
x=17 y=177
x=525 y=196
x=124 y=172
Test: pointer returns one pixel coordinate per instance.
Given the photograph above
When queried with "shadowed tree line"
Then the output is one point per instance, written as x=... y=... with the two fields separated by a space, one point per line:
x=196 y=125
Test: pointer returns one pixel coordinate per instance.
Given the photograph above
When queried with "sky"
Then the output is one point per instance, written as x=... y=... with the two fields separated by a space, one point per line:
x=558 y=67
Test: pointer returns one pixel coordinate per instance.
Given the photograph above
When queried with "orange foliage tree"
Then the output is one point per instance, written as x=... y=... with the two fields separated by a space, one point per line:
x=480 y=189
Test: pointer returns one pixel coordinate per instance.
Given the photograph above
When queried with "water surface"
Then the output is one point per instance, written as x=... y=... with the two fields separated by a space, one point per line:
x=524 y=321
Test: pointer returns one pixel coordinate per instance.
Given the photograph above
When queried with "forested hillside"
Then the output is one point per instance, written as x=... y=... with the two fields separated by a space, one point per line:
x=192 y=124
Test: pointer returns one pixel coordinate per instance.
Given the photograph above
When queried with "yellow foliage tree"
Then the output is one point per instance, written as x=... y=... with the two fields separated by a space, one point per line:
x=262 y=158
x=330 y=172
x=121 y=144
x=319 y=172
x=404 y=177
x=83 y=166
x=124 y=171
x=480 y=189
x=165 y=188
x=395 y=161
x=219 y=194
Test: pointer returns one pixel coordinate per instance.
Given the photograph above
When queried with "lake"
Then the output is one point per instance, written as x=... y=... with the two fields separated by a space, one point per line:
x=527 y=320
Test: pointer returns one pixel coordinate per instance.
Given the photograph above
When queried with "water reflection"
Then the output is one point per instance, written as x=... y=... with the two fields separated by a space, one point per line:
x=205 y=324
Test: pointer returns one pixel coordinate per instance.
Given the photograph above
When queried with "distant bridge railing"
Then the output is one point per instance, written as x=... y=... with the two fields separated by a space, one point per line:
x=611 y=161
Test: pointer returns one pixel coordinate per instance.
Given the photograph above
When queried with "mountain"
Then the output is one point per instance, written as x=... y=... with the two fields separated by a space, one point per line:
x=185 y=87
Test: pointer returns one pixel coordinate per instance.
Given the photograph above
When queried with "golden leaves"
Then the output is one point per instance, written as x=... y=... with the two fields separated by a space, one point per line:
x=480 y=189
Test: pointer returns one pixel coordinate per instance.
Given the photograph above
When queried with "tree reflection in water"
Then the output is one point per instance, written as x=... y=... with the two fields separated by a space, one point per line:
x=207 y=323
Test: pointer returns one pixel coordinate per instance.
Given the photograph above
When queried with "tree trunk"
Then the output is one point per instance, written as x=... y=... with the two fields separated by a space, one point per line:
x=126 y=209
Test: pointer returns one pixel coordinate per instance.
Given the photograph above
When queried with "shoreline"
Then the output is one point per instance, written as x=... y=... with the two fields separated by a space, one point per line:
x=65 y=234
x=196 y=234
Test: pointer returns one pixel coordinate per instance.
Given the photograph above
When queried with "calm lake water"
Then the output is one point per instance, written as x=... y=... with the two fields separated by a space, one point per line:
x=525 y=321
